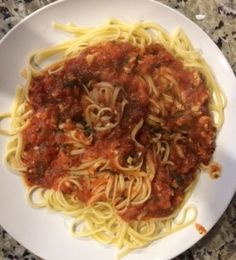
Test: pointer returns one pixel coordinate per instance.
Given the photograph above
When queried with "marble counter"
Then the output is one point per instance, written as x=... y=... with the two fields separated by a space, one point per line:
x=218 y=19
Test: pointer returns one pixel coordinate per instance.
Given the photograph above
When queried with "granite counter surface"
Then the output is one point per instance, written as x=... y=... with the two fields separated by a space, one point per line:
x=218 y=19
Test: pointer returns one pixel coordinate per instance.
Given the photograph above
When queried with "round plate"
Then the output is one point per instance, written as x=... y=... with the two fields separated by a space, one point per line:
x=45 y=233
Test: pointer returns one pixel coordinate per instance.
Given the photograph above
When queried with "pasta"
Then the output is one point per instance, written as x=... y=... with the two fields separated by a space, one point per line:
x=115 y=131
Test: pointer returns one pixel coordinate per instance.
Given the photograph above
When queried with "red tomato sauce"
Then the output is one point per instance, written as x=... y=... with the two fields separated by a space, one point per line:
x=58 y=104
x=201 y=229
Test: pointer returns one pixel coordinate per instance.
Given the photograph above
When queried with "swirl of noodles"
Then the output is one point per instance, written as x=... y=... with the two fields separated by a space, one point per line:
x=105 y=109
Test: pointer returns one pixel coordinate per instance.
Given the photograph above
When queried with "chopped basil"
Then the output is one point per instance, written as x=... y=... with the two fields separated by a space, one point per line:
x=87 y=130
x=179 y=179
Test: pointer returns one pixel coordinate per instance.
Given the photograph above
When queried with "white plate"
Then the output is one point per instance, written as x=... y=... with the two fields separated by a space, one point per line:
x=45 y=233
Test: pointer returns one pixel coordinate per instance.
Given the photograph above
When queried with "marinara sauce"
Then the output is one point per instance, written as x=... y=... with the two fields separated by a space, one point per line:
x=58 y=104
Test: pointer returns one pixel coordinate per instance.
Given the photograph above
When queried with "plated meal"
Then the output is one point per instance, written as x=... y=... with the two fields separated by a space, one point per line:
x=113 y=128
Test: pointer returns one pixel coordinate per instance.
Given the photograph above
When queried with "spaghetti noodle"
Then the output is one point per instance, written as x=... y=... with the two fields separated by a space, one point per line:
x=115 y=132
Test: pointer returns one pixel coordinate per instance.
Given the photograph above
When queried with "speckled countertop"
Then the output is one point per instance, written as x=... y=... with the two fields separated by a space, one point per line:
x=218 y=19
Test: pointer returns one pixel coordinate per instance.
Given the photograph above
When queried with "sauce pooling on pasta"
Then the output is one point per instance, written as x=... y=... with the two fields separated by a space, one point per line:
x=120 y=124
